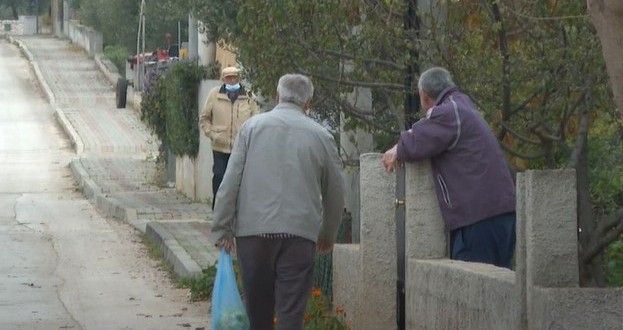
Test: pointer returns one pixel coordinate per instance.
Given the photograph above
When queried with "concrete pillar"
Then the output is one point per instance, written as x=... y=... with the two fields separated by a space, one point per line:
x=66 y=17
x=378 y=247
x=193 y=37
x=425 y=231
x=56 y=16
x=426 y=235
x=206 y=48
x=353 y=143
x=547 y=250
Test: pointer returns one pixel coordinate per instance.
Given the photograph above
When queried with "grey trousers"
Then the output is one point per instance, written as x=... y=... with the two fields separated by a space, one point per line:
x=277 y=276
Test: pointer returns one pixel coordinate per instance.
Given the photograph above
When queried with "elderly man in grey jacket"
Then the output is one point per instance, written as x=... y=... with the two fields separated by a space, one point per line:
x=282 y=200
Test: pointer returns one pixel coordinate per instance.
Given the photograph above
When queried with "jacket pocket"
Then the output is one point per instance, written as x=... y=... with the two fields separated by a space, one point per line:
x=444 y=191
x=219 y=136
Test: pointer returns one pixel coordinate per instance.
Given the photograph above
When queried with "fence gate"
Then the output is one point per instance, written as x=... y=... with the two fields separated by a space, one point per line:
x=400 y=246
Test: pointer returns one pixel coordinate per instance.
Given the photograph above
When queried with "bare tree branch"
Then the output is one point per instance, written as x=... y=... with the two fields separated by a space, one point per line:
x=364 y=117
x=582 y=136
x=369 y=60
x=519 y=136
x=580 y=142
x=603 y=237
x=522 y=155
x=392 y=108
x=346 y=82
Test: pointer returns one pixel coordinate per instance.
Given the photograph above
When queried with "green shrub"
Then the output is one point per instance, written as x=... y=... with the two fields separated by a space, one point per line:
x=170 y=106
x=614 y=263
x=201 y=287
x=118 y=56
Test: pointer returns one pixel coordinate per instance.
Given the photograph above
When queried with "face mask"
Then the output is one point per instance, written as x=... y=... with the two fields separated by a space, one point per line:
x=232 y=88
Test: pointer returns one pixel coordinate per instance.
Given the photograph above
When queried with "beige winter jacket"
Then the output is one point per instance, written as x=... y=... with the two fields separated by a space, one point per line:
x=221 y=119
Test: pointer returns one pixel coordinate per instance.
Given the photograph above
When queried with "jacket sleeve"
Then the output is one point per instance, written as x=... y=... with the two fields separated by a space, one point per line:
x=205 y=119
x=332 y=183
x=430 y=136
x=224 y=215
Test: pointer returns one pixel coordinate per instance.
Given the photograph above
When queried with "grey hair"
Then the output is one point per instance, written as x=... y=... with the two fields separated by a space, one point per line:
x=295 y=88
x=434 y=80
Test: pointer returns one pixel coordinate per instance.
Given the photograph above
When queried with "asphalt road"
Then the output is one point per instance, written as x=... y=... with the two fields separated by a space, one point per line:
x=62 y=265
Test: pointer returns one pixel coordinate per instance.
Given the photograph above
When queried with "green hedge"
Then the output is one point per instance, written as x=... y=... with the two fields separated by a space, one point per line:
x=170 y=106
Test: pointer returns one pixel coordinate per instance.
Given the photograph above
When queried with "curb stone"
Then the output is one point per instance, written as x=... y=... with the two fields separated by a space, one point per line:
x=183 y=264
x=75 y=139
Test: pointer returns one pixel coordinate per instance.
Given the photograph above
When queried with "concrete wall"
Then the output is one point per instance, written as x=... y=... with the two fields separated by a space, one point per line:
x=11 y=27
x=373 y=292
x=542 y=292
x=29 y=24
x=345 y=294
x=87 y=38
x=446 y=294
x=562 y=309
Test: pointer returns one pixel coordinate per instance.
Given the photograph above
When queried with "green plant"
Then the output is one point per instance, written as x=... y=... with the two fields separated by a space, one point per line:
x=614 y=263
x=154 y=252
x=117 y=55
x=200 y=287
x=170 y=107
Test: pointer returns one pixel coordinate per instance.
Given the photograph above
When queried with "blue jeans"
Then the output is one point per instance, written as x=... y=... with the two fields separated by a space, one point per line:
x=490 y=241
x=220 y=165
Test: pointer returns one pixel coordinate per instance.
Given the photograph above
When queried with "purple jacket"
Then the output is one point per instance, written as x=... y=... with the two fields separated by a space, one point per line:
x=471 y=176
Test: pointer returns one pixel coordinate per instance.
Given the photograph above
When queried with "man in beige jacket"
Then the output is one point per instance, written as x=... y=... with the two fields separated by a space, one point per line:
x=227 y=107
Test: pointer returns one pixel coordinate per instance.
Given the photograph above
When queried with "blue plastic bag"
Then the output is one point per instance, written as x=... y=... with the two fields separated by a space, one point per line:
x=228 y=312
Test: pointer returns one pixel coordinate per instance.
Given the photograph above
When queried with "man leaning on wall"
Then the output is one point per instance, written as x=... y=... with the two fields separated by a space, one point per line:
x=474 y=187
x=227 y=107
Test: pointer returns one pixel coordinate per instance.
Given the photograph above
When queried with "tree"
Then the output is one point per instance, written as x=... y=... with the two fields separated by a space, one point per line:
x=117 y=20
x=14 y=6
x=607 y=17
x=532 y=68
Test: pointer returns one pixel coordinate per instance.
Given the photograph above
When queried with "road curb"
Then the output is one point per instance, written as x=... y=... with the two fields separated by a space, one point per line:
x=75 y=139
x=35 y=67
x=105 y=203
x=183 y=265
x=73 y=136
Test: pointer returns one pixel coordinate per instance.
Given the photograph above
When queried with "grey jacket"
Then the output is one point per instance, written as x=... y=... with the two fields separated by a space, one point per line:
x=283 y=176
x=471 y=176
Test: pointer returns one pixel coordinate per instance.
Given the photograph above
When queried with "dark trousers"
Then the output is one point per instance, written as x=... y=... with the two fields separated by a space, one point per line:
x=490 y=241
x=218 y=168
x=277 y=275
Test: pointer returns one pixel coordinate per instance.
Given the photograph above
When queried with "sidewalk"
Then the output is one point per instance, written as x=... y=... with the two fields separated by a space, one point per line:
x=115 y=160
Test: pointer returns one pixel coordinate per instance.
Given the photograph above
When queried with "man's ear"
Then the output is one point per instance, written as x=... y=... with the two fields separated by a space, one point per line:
x=277 y=97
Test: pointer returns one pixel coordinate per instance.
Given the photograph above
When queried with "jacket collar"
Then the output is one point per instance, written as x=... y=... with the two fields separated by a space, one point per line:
x=444 y=94
x=289 y=106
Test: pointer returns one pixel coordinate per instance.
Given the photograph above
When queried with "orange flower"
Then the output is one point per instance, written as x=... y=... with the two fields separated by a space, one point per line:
x=308 y=317
x=316 y=293
x=339 y=310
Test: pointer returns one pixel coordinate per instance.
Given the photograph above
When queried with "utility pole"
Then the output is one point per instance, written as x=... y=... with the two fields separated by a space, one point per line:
x=411 y=108
x=36 y=16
